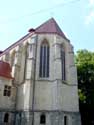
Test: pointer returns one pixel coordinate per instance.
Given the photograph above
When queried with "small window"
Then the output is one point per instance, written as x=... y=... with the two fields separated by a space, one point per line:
x=6 y=118
x=65 y=120
x=42 y=119
x=7 y=90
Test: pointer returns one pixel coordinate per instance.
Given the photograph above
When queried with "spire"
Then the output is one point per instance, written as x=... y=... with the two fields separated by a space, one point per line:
x=50 y=26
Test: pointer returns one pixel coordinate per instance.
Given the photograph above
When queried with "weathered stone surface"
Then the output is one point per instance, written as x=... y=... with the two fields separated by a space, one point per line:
x=31 y=95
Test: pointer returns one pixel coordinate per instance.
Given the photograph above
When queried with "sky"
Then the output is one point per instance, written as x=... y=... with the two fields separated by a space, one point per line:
x=75 y=18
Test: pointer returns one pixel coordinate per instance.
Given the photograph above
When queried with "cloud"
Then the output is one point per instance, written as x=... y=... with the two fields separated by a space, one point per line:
x=91 y=3
x=90 y=17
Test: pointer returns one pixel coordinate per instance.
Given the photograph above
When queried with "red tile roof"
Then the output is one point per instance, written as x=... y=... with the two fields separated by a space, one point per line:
x=5 y=70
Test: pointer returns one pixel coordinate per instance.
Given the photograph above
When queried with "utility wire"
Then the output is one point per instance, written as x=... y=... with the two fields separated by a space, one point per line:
x=53 y=7
x=41 y=11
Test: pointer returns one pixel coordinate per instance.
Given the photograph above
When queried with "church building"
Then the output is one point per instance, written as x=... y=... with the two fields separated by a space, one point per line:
x=38 y=79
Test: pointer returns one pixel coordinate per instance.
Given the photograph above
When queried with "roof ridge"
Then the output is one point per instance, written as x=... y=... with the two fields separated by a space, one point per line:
x=49 y=26
x=44 y=23
x=14 y=44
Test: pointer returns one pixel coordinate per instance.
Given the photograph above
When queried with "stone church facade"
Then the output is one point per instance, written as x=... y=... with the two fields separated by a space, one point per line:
x=38 y=79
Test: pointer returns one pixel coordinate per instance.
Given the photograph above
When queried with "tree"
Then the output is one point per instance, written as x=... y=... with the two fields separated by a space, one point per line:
x=85 y=69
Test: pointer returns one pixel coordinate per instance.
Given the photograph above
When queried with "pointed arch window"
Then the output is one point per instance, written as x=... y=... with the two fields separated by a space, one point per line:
x=13 y=57
x=6 y=118
x=7 y=57
x=44 y=59
x=63 y=63
x=42 y=119
x=65 y=120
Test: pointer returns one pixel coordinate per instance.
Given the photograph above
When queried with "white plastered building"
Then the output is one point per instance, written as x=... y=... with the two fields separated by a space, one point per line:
x=38 y=85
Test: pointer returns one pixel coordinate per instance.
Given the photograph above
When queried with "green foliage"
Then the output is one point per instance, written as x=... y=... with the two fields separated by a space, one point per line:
x=84 y=56
x=85 y=69
x=81 y=96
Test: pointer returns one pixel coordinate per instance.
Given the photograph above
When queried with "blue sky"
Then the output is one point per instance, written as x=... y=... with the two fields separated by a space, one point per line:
x=75 y=17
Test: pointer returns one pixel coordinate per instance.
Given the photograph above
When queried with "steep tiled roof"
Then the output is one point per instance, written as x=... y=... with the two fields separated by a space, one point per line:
x=50 y=26
x=5 y=70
